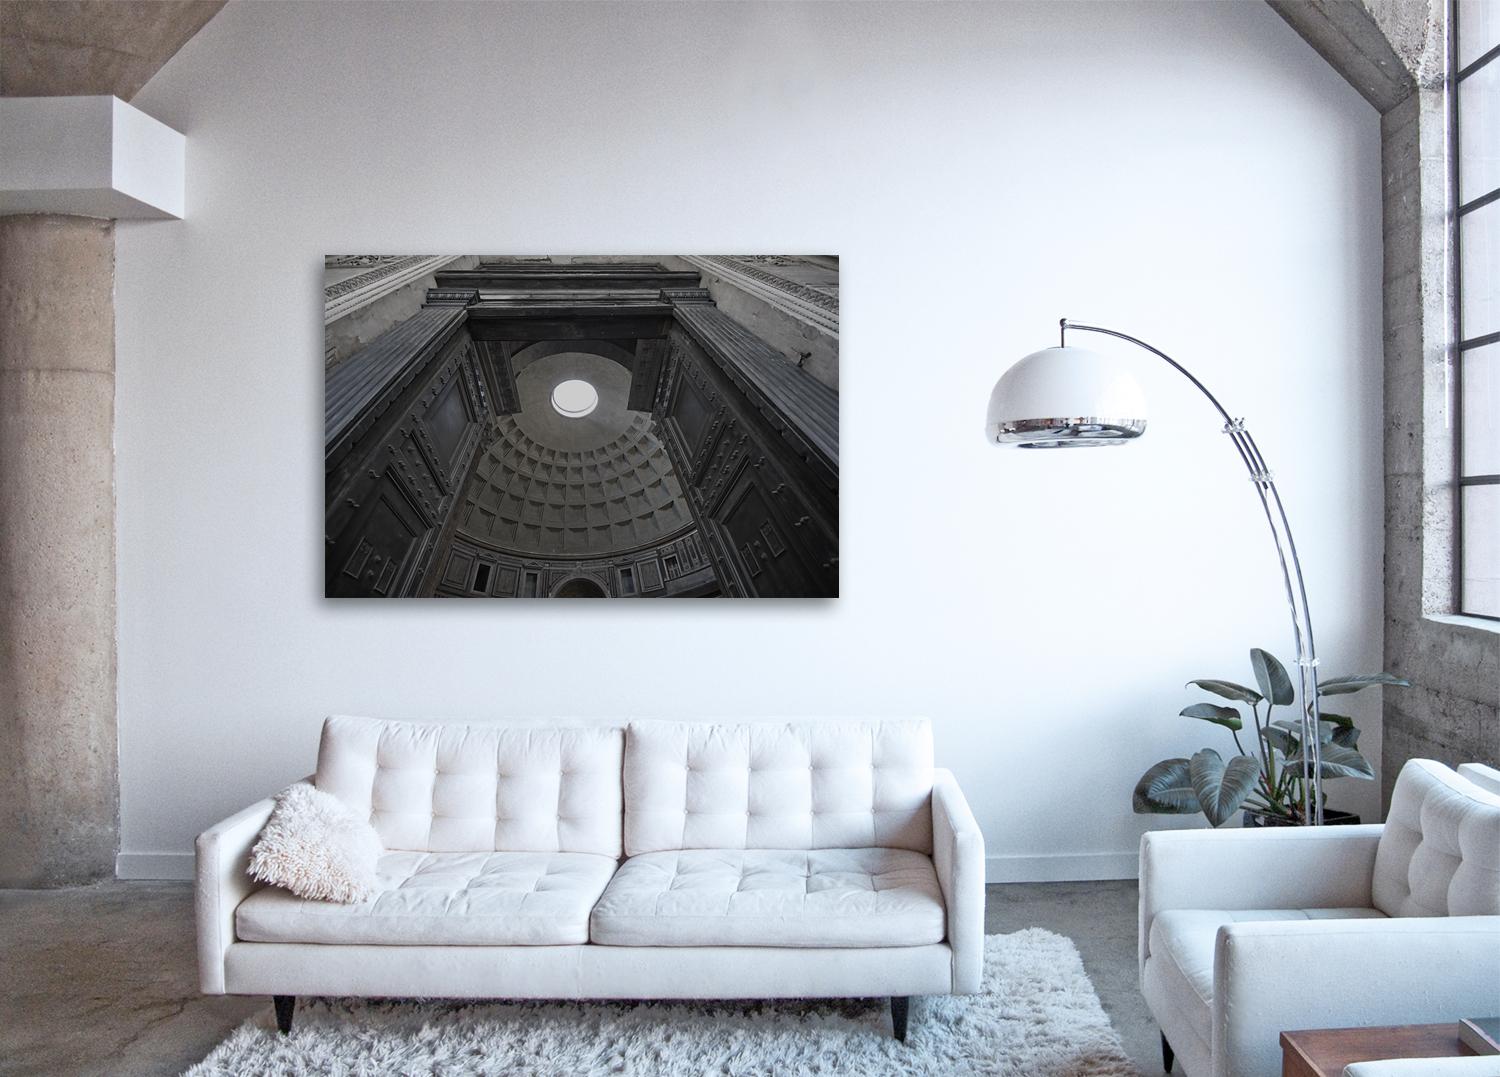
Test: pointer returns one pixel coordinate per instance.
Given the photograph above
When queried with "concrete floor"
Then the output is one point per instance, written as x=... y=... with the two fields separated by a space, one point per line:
x=101 y=979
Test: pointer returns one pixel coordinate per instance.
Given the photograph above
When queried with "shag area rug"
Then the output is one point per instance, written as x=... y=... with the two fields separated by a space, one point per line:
x=1037 y=1016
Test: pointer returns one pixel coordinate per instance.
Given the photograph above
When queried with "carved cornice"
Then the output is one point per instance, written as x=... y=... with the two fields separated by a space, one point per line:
x=358 y=261
x=802 y=302
x=346 y=296
x=623 y=555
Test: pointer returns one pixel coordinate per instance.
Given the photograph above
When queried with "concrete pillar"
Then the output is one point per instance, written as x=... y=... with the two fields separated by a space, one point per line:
x=59 y=791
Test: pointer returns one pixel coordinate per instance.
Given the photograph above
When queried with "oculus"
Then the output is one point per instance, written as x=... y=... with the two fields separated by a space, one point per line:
x=574 y=398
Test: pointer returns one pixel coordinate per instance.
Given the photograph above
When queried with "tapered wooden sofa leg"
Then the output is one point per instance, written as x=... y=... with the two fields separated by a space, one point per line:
x=285 y=1006
x=1167 y=1057
x=899 y=1007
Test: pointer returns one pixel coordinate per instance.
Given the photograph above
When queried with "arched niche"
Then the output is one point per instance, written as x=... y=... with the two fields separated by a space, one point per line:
x=579 y=587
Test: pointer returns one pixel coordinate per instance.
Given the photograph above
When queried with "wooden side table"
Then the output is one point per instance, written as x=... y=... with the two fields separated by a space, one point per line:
x=1324 y=1052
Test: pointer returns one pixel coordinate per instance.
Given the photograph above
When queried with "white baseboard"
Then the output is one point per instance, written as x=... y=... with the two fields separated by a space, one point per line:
x=154 y=866
x=1050 y=868
x=1061 y=867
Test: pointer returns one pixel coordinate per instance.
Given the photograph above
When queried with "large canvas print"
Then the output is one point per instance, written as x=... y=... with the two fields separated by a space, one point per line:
x=581 y=427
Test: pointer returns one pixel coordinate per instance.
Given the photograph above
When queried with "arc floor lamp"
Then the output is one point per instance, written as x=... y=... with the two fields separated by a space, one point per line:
x=1067 y=397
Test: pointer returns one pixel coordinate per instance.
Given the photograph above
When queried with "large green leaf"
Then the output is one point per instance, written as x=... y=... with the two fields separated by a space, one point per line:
x=1338 y=762
x=1165 y=789
x=1270 y=674
x=1281 y=739
x=1346 y=737
x=1229 y=690
x=1340 y=720
x=1222 y=787
x=1294 y=729
x=1227 y=717
x=1338 y=686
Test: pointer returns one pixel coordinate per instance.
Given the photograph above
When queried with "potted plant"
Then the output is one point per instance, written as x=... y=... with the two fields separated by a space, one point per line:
x=1266 y=780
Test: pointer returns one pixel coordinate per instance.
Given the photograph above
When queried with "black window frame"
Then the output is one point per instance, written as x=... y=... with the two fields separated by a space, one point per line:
x=1456 y=76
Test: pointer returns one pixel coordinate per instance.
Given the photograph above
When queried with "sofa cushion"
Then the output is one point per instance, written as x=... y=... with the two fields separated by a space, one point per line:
x=476 y=899
x=478 y=788
x=1185 y=938
x=772 y=897
x=778 y=785
x=1439 y=854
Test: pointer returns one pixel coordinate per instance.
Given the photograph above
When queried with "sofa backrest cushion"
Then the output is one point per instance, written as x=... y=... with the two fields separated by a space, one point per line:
x=1439 y=854
x=778 y=785
x=477 y=788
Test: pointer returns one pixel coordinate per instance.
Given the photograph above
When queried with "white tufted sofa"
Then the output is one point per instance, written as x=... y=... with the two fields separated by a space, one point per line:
x=1245 y=934
x=651 y=860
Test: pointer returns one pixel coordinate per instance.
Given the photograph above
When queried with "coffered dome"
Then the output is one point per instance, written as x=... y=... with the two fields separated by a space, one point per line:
x=552 y=482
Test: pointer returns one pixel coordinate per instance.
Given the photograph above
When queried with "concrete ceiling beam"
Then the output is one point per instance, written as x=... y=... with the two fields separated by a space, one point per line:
x=1385 y=49
x=70 y=48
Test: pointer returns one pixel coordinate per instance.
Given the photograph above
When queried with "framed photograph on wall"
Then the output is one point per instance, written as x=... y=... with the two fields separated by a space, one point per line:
x=581 y=426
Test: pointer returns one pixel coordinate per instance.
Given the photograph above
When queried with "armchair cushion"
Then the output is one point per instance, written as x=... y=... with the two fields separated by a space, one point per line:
x=1440 y=852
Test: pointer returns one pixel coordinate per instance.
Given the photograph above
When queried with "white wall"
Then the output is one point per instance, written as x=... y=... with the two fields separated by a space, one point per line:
x=1191 y=173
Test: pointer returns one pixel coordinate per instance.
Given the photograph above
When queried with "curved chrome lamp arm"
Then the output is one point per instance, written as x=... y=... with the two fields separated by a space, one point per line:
x=1291 y=573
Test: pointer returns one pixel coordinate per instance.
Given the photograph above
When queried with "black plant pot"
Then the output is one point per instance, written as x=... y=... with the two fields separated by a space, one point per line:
x=1331 y=817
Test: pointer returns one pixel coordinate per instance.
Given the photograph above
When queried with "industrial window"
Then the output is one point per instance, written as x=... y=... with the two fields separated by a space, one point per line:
x=482 y=579
x=1475 y=98
x=627 y=582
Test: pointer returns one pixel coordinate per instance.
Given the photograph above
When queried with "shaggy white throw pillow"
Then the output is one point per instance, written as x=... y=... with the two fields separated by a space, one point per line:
x=317 y=848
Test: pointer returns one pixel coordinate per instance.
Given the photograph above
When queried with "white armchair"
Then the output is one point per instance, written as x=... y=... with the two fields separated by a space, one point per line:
x=1248 y=933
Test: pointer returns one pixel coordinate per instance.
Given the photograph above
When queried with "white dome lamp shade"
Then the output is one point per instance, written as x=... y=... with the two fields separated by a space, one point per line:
x=1066 y=397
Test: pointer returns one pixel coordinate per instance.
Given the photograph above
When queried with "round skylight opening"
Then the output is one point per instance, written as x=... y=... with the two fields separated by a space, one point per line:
x=574 y=398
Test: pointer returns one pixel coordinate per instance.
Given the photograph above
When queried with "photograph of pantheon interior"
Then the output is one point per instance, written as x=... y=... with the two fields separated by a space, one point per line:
x=581 y=426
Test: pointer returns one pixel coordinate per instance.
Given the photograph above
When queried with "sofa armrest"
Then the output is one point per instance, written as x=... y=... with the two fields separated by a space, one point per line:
x=958 y=856
x=1276 y=975
x=222 y=882
x=1283 y=867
